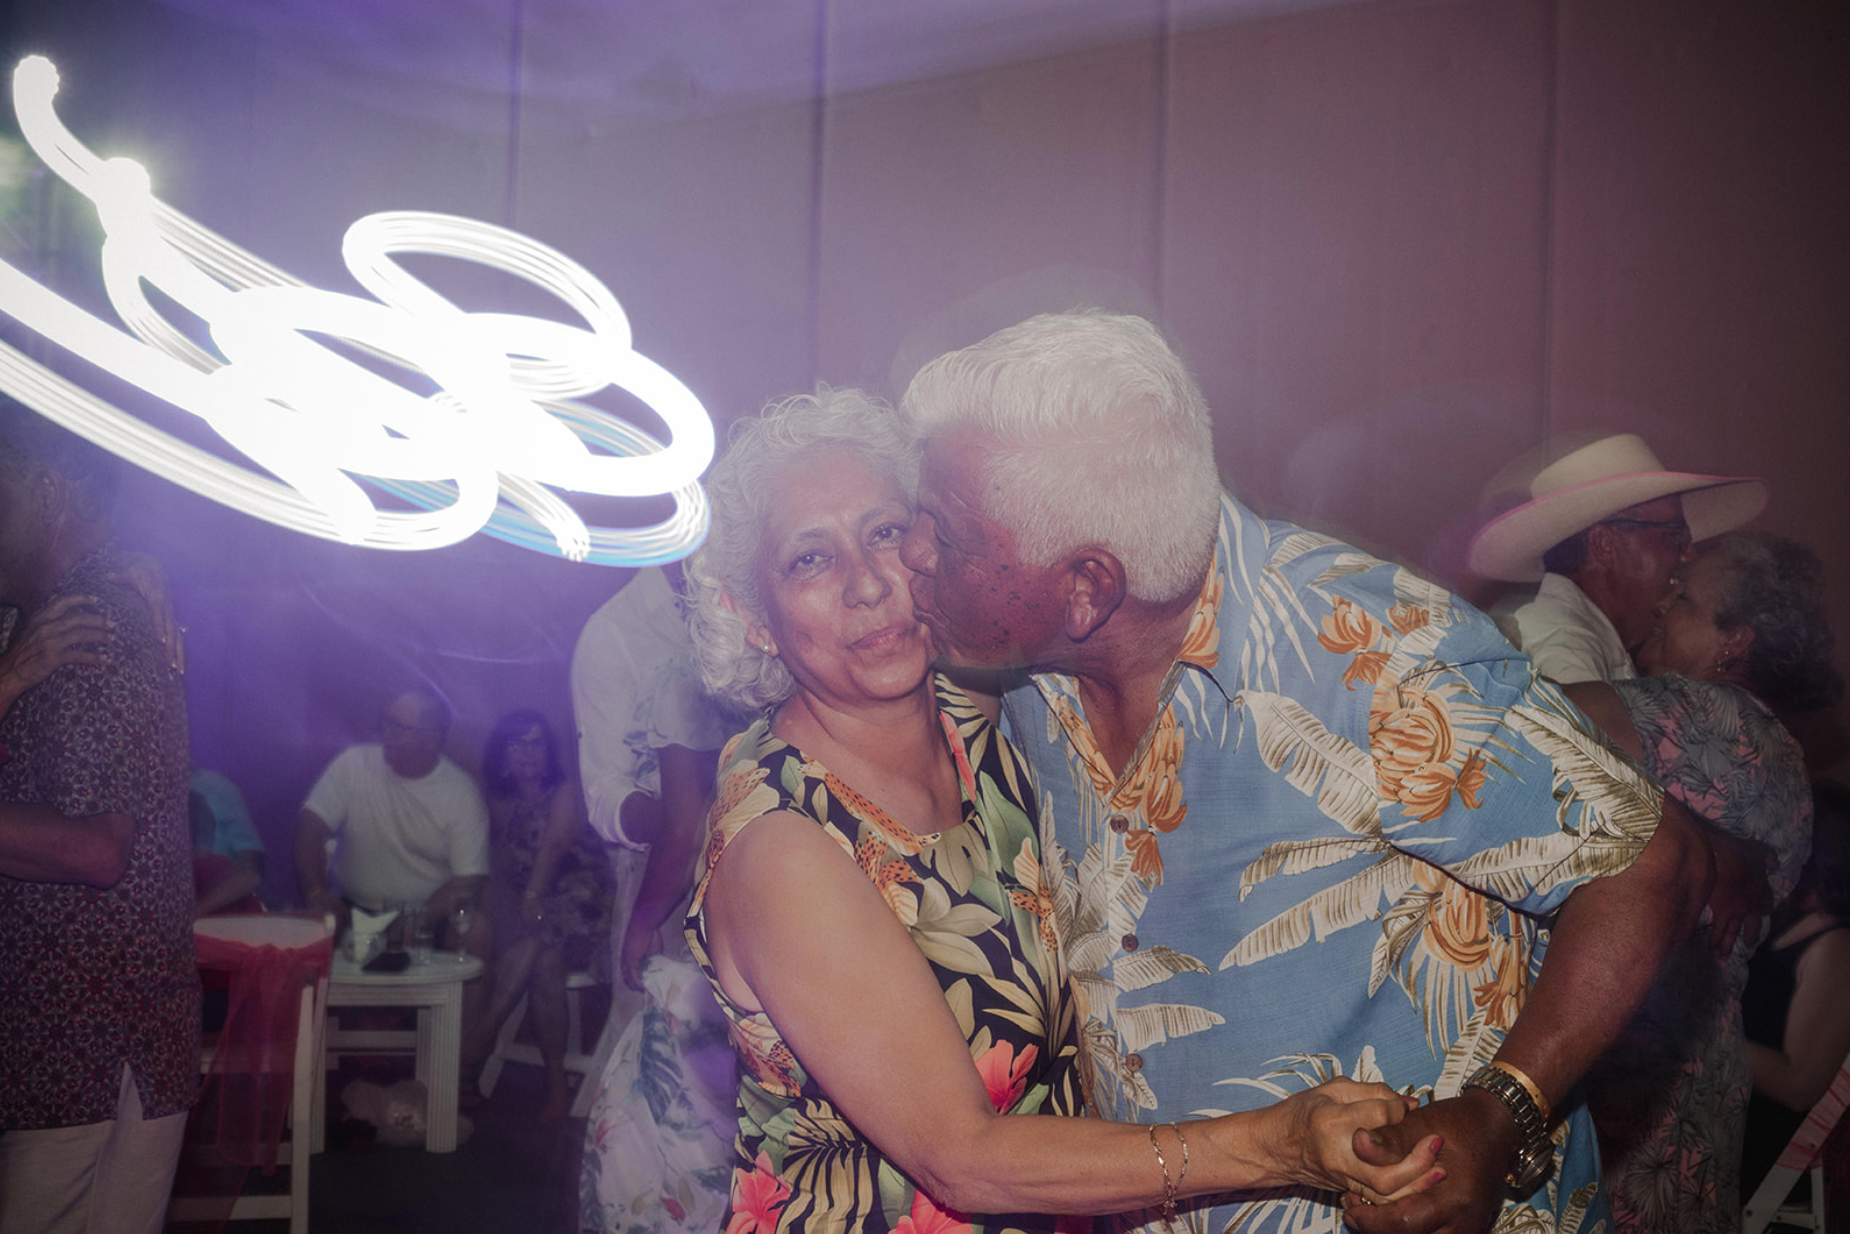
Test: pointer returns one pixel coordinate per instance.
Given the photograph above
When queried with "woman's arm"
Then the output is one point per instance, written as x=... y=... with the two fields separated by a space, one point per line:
x=796 y=930
x=563 y=819
x=1817 y=1029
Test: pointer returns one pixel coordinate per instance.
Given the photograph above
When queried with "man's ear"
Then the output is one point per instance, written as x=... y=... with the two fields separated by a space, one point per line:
x=1602 y=545
x=52 y=496
x=756 y=633
x=1095 y=588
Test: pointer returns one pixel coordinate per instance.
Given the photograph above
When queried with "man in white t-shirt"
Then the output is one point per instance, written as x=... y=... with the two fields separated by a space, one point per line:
x=1603 y=530
x=408 y=825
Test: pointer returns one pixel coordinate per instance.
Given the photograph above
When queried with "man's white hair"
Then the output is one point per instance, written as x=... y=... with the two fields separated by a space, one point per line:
x=1101 y=437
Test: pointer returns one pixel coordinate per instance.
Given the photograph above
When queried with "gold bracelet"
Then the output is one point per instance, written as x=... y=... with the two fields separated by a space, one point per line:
x=1522 y=1077
x=1181 y=1175
x=1169 y=1188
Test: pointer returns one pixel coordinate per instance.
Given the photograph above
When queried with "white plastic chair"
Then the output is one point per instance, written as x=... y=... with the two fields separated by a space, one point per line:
x=1803 y=1154
x=288 y=933
x=577 y=1061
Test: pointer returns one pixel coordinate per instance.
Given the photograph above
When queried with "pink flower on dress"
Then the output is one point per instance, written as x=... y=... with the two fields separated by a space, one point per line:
x=927 y=1218
x=757 y=1198
x=1004 y=1075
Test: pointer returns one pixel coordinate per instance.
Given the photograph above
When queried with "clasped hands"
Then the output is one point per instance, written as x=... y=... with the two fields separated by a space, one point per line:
x=1478 y=1142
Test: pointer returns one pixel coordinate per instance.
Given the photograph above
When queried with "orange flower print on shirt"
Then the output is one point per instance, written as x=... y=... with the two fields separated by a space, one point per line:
x=1471 y=779
x=1146 y=857
x=1457 y=923
x=1350 y=630
x=927 y=1218
x=1412 y=747
x=1427 y=791
x=1097 y=770
x=1201 y=645
x=757 y=1198
x=1411 y=739
x=1005 y=1073
x=1159 y=776
x=1366 y=668
x=1406 y=618
x=1502 y=996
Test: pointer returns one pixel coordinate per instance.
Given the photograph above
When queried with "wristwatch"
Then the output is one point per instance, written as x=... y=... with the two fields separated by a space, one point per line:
x=1535 y=1151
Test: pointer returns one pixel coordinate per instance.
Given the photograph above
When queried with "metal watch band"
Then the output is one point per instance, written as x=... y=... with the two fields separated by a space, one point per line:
x=1534 y=1150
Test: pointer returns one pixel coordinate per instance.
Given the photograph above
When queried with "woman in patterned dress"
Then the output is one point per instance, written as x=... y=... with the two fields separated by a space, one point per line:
x=1745 y=638
x=871 y=910
x=546 y=855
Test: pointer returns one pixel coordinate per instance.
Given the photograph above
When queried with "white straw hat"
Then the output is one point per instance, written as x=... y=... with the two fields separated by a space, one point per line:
x=1594 y=483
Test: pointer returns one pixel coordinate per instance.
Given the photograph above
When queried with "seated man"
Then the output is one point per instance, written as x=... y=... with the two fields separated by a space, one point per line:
x=410 y=827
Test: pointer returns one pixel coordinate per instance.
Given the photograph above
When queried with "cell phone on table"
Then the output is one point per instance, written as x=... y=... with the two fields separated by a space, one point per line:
x=388 y=962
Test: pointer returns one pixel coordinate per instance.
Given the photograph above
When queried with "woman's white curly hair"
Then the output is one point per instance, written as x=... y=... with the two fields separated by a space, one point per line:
x=738 y=488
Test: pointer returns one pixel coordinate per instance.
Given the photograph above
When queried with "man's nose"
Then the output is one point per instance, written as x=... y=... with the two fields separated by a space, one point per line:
x=916 y=551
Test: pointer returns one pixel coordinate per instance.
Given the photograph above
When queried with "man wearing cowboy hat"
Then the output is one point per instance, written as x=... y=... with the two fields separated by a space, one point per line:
x=1604 y=528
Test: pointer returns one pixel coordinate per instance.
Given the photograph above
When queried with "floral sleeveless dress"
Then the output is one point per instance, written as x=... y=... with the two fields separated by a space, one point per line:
x=576 y=907
x=976 y=905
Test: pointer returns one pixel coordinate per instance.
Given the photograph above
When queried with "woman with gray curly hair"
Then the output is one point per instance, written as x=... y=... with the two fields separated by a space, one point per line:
x=1745 y=638
x=871 y=910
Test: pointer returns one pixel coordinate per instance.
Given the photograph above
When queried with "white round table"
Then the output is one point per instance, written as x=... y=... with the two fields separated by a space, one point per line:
x=435 y=989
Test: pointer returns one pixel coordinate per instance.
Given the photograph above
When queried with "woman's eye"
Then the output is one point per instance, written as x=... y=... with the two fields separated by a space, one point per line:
x=889 y=534
x=807 y=563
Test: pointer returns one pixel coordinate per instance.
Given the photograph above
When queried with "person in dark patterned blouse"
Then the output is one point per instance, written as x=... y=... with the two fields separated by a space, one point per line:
x=99 y=996
x=872 y=911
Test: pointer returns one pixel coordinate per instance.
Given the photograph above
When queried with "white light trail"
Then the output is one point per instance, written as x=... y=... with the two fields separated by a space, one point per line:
x=504 y=428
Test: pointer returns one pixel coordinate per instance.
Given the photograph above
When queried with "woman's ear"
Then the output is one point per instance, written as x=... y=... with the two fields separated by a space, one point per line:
x=756 y=633
x=1736 y=640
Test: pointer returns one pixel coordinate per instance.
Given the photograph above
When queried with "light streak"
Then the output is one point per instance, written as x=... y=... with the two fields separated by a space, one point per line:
x=504 y=427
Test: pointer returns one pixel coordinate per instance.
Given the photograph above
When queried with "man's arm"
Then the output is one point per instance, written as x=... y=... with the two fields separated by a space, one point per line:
x=604 y=693
x=1609 y=939
x=40 y=845
x=461 y=890
x=687 y=787
x=237 y=881
x=312 y=836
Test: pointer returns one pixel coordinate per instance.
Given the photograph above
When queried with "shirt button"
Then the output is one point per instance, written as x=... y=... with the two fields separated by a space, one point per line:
x=1118 y=823
x=1133 y=1062
x=1130 y=942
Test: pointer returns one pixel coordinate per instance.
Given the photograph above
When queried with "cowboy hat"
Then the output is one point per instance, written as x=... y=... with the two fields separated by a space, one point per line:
x=1590 y=485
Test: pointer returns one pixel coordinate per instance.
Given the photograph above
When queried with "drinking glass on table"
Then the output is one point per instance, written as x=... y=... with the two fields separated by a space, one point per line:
x=462 y=920
x=421 y=932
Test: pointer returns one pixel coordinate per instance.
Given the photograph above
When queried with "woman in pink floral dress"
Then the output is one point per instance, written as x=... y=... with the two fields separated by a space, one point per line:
x=1747 y=635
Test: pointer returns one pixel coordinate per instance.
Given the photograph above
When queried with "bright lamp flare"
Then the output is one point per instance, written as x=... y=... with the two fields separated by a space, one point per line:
x=502 y=428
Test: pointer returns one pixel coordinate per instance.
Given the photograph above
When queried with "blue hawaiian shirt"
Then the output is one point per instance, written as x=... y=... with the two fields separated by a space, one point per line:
x=1330 y=856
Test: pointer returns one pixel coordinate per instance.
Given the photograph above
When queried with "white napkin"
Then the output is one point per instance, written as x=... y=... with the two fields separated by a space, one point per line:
x=368 y=932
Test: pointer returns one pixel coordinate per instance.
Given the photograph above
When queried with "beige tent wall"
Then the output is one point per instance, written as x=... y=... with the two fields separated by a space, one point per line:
x=1400 y=242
